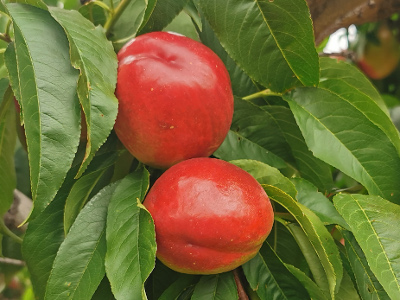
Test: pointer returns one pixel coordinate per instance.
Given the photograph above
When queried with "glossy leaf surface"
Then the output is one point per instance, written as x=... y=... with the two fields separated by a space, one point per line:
x=317 y=234
x=44 y=83
x=94 y=56
x=339 y=143
x=368 y=286
x=44 y=237
x=131 y=243
x=270 y=278
x=79 y=265
x=374 y=222
x=271 y=40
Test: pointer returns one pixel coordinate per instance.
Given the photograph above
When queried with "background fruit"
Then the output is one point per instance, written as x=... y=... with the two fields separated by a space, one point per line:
x=175 y=99
x=210 y=216
x=380 y=53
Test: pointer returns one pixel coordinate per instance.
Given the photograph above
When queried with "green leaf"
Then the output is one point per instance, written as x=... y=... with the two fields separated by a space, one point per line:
x=347 y=289
x=236 y=146
x=184 y=283
x=265 y=174
x=8 y=138
x=286 y=247
x=130 y=20
x=314 y=262
x=44 y=236
x=260 y=127
x=131 y=244
x=348 y=82
x=44 y=83
x=220 y=286
x=342 y=130
x=375 y=224
x=343 y=77
x=312 y=288
x=162 y=14
x=308 y=195
x=272 y=41
x=242 y=85
x=94 y=56
x=84 y=186
x=309 y=167
x=79 y=265
x=317 y=234
x=269 y=277
x=103 y=291
x=368 y=286
x=37 y=3
x=274 y=129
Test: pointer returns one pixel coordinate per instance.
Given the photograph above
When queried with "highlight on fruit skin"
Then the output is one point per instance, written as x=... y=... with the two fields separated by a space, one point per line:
x=175 y=99
x=210 y=216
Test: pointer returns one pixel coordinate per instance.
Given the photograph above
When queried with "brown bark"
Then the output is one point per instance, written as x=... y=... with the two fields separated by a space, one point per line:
x=328 y=15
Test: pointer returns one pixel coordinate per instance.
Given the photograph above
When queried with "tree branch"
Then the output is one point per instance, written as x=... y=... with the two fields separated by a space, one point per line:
x=328 y=16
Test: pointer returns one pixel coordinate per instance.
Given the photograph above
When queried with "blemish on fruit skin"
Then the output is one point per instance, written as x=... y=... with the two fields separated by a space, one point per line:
x=171 y=127
x=151 y=89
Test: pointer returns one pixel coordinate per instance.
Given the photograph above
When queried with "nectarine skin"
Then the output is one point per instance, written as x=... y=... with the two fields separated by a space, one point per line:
x=175 y=99
x=210 y=216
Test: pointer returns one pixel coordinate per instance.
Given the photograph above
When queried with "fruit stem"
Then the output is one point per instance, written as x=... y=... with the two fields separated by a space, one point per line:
x=6 y=231
x=241 y=292
x=263 y=93
x=114 y=15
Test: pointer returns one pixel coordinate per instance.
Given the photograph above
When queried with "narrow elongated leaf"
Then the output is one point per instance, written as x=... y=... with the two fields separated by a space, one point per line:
x=271 y=40
x=221 y=286
x=242 y=85
x=44 y=236
x=274 y=129
x=357 y=145
x=131 y=19
x=78 y=196
x=236 y=146
x=286 y=247
x=375 y=224
x=8 y=138
x=317 y=234
x=270 y=278
x=347 y=289
x=131 y=244
x=94 y=56
x=265 y=174
x=84 y=186
x=309 y=167
x=260 y=127
x=317 y=202
x=103 y=291
x=183 y=283
x=341 y=77
x=44 y=83
x=368 y=286
x=79 y=265
x=313 y=290
x=315 y=264
x=162 y=14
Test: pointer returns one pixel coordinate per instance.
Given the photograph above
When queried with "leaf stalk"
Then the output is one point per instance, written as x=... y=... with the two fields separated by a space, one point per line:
x=114 y=15
x=6 y=231
x=264 y=93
